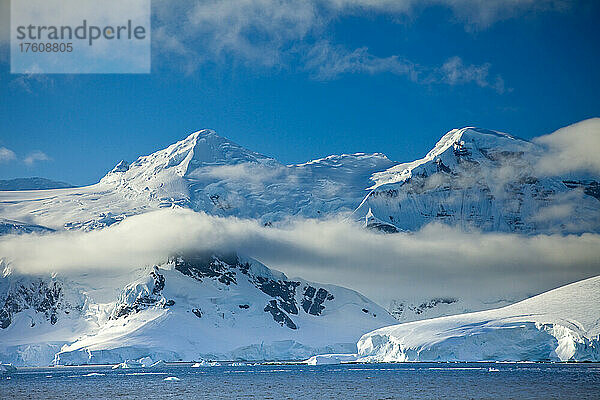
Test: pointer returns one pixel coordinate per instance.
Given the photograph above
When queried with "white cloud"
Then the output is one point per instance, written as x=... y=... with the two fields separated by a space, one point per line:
x=434 y=261
x=278 y=33
x=572 y=148
x=267 y=32
x=254 y=31
x=455 y=72
x=35 y=156
x=6 y=155
x=327 y=61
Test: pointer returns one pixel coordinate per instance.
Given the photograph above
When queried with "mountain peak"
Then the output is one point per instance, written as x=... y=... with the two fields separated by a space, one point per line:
x=457 y=142
x=122 y=166
x=473 y=131
x=205 y=147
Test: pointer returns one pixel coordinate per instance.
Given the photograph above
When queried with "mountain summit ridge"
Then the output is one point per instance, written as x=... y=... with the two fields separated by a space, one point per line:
x=472 y=178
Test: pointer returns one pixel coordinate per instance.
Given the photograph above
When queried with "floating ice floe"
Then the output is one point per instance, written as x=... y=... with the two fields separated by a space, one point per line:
x=325 y=359
x=158 y=364
x=129 y=364
x=205 y=363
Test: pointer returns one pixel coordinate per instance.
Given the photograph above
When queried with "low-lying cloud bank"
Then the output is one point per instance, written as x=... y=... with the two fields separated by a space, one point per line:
x=435 y=261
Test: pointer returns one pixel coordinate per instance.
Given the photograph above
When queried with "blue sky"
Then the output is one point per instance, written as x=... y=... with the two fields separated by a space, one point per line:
x=298 y=80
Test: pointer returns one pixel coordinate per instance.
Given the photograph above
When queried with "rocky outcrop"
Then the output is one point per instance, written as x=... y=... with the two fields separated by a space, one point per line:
x=42 y=296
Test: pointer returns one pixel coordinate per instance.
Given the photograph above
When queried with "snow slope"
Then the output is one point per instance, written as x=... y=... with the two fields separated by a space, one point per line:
x=562 y=324
x=480 y=179
x=195 y=307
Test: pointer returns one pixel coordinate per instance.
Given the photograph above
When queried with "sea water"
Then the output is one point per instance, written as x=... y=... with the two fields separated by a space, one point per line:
x=347 y=381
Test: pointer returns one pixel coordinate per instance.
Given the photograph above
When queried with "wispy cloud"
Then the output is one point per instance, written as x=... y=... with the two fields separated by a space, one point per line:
x=435 y=261
x=31 y=81
x=455 y=72
x=279 y=34
x=284 y=33
x=326 y=61
x=35 y=156
x=473 y=14
x=252 y=31
x=7 y=155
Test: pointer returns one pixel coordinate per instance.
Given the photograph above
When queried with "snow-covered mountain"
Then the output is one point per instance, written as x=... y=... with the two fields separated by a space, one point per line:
x=204 y=172
x=209 y=173
x=416 y=309
x=473 y=178
x=486 y=180
x=562 y=324
x=193 y=307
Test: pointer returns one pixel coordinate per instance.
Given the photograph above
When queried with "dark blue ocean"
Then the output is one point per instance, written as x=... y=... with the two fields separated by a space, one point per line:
x=349 y=381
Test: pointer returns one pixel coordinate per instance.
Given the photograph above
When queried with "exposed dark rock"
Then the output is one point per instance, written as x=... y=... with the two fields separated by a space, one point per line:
x=279 y=316
x=441 y=167
x=313 y=300
x=460 y=150
x=159 y=282
x=391 y=193
x=216 y=200
x=41 y=296
x=285 y=291
x=201 y=266
x=197 y=312
x=431 y=304
x=591 y=188
x=225 y=268
x=382 y=227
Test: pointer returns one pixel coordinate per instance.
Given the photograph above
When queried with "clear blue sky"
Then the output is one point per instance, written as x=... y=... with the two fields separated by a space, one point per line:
x=332 y=80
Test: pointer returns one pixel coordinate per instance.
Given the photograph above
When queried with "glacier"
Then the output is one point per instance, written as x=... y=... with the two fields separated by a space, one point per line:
x=559 y=325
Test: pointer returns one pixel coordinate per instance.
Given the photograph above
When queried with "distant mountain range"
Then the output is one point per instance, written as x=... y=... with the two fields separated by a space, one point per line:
x=34 y=183
x=473 y=178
